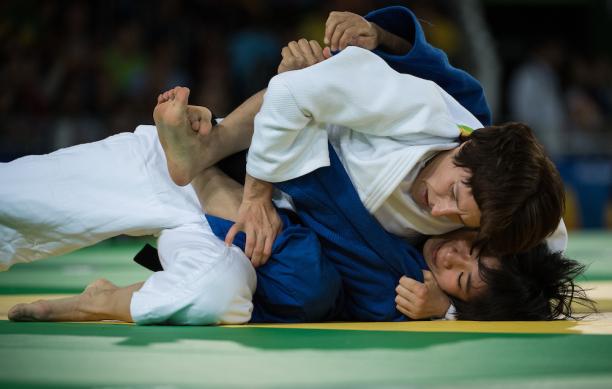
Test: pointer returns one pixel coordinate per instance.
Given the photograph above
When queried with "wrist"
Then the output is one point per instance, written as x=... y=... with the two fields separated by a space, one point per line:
x=390 y=42
x=378 y=34
x=444 y=306
x=255 y=189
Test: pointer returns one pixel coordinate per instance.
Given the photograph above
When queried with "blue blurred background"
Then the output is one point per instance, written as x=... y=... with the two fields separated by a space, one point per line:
x=78 y=71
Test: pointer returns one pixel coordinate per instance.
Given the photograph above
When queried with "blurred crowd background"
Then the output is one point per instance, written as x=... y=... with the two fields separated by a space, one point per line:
x=78 y=71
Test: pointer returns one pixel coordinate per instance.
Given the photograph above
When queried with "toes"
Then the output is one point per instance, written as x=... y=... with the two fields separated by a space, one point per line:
x=15 y=312
x=38 y=311
x=195 y=125
x=166 y=96
x=177 y=93
x=205 y=128
x=181 y=94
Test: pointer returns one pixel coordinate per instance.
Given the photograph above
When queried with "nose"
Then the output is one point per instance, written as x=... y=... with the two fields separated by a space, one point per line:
x=454 y=254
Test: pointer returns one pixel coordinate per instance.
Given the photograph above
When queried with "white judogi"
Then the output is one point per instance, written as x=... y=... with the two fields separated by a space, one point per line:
x=78 y=196
x=383 y=125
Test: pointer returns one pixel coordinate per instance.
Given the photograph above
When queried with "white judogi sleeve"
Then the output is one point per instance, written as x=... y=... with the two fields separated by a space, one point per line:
x=354 y=89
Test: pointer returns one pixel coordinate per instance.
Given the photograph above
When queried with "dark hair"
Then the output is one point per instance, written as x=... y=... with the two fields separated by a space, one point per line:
x=535 y=285
x=517 y=188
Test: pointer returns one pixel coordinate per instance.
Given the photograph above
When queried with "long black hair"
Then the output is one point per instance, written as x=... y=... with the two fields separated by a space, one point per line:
x=534 y=285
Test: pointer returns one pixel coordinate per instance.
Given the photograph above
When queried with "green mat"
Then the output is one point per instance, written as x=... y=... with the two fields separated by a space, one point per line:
x=71 y=355
x=95 y=355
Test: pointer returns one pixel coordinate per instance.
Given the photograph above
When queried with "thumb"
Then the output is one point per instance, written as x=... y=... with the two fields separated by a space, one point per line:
x=427 y=276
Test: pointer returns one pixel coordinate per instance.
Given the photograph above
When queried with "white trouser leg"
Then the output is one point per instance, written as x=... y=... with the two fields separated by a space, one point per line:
x=75 y=197
x=203 y=281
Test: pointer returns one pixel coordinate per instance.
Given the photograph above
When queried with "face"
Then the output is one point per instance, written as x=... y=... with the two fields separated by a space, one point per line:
x=453 y=266
x=440 y=188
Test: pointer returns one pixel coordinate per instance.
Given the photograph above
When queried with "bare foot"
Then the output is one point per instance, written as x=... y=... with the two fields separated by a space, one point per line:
x=36 y=311
x=180 y=128
x=64 y=309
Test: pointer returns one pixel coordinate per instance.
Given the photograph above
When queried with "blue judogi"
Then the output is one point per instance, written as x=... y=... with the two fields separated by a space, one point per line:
x=335 y=238
x=430 y=63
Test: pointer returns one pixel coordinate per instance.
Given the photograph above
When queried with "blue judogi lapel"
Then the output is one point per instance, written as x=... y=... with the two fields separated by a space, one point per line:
x=369 y=259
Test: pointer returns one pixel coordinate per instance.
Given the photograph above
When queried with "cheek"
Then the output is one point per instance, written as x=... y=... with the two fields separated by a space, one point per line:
x=442 y=182
x=447 y=282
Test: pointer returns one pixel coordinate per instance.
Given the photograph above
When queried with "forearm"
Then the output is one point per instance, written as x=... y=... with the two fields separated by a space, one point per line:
x=390 y=42
x=219 y=195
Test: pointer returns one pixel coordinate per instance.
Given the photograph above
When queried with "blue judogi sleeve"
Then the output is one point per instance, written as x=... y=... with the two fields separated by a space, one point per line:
x=427 y=62
x=369 y=259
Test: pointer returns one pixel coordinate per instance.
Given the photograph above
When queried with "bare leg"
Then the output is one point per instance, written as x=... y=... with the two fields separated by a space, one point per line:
x=188 y=141
x=219 y=195
x=101 y=300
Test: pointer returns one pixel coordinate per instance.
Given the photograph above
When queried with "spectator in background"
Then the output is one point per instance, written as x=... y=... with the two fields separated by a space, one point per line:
x=589 y=105
x=125 y=60
x=535 y=95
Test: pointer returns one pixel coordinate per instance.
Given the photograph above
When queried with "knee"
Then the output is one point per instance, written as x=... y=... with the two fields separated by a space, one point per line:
x=218 y=294
x=225 y=296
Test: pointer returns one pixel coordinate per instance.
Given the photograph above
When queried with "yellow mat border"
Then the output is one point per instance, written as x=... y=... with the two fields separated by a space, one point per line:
x=600 y=324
